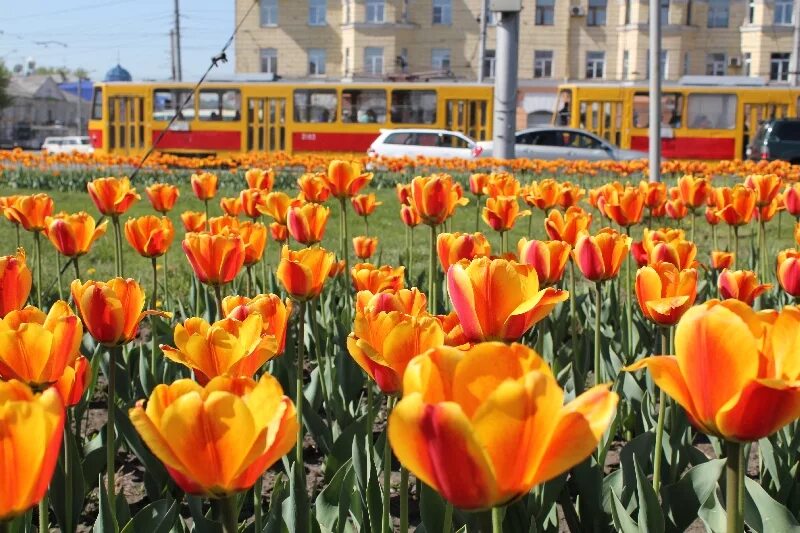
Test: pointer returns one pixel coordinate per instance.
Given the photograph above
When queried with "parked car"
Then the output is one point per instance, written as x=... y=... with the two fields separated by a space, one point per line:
x=72 y=143
x=424 y=142
x=776 y=139
x=548 y=142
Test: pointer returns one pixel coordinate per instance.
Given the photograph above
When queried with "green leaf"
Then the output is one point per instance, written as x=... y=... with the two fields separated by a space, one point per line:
x=202 y=524
x=367 y=480
x=105 y=521
x=431 y=508
x=622 y=520
x=153 y=467
x=713 y=515
x=650 y=518
x=296 y=506
x=331 y=505
x=67 y=491
x=763 y=514
x=158 y=517
x=683 y=499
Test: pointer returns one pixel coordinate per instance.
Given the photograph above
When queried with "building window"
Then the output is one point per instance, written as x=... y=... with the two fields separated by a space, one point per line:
x=783 y=12
x=442 y=12
x=686 y=63
x=779 y=66
x=269 y=60
x=626 y=58
x=375 y=12
x=373 y=60
x=747 y=63
x=689 y=12
x=345 y=11
x=269 y=12
x=488 y=64
x=715 y=64
x=316 y=61
x=543 y=64
x=545 y=11
x=317 y=12
x=718 y=11
x=751 y=11
x=595 y=64
x=664 y=12
x=627 y=11
x=440 y=59
x=596 y=15
x=346 y=64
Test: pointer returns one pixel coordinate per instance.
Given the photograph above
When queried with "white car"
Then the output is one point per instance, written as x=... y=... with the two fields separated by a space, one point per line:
x=548 y=142
x=443 y=144
x=65 y=145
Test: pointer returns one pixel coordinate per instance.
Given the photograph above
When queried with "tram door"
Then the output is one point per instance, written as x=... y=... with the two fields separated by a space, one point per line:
x=126 y=130
x=754 y=114
x=470 y=117
x=603 y=118
x=266 y=125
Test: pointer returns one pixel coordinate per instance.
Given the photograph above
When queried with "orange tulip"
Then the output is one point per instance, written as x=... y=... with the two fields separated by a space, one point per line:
x=254 y=237
x=720 y=197
x=735 y=371
x=639 y=254
x=797 y=233
x=496 y=299
x=112 y=196
x=477 y=184
x=303 y=273
x=193 y=221
x=30 y=439
x=223 y=224
x=36 y=348
x=600 y=257
x=599 y=196
x=652 y=237
x=403 y=191
x=5 y=203
x=364 y=204
x=232 y=431
x=307 y=223
x=569 y=194
x=278 y=232
x=681 y=253
x=676 y=209
x=204 y=185
x=484 y=426
x=665 y=292
x=383 y=343
x=740 y=208
x=655 y=194
x=548 y=258
x=368 y=277
x=711 y=216
x=228 y=347
x=365 y=247
x=345 y=178
x=791 y=199
x=73 y=235
x=162 y=196
x=276 y=205
x=250 y=199
x=150 y=236
x=15 y=282
x=215 y=258
x=788 y=274
x=568 y=226
x=453 y=247
x=336 y=269
x=502 y=212
x=112 y=310
x=409 y=216
x=262 y=179
x=626 y=207
x=720 y=260
x=501 y=184
x=274 y=314
x=766 y=186
x=542 y=194
x=740 y=285
x=72 y=383
x=31 y=211
x=314 y=188
x=408 y=301
x=435 y=198
x=694 y=190
x=767 y=212
x=231 y=206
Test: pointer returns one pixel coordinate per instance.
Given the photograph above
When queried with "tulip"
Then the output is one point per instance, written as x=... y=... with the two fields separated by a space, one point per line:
x=694 y=191
x=435 y=198
x=791 y=199
x=639 y=254
x=254 y=237
x=262 y=179
x=501 y=213
x=665 y=292
x=566 y=227
x=676 y=209
x=31 y=429
x=232 y=430
x=766 y=186
x=274 y=314
x=655 y=194
x=408 y=301
x=276 y=205
x=739 y=210
x=484 y=426
x=250 y=199
x=453 y=247
x=626 y=207
x=112 y=196
x=15 y=282
x=336 y=269
x=542 y=194
x=768 y=212
x=409 y=216
x=228 y=347
x=680 y=253
x=364 y=204
x=222 y=224
x=497 y=299
x=711 y=216
x=797 y=233
x=383 y=343
x=345 y=178
x=307 y=223
x=652 y=237
x=303 y=273
x=72 y=383
x=720 y=260
x=278 y=232
x=403 y=191
x=788 y=271
x=368 y=277
x=740 y=285
x=477 y=184
x=365 y=246
x=150 y=236
x=600 y=257
x=36 y=348
x=193 y=221
x=548 y=258
x=215 y=258
x=231 y=206
x=73 y=235
x=313 y=188
x=501 y=184
x=32 y=211
x=204 y=185
x=162 y=196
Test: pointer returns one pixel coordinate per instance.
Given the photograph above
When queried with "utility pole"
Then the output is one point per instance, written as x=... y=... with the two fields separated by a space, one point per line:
x=794 y=64
x=178 y=67
x=79 y=120
x=654 y=135
x=482 y=46
x=505 y=80
x=172 y=54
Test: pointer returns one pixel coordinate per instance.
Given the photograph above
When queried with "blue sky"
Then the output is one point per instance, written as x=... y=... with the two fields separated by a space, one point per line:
x=93 y=33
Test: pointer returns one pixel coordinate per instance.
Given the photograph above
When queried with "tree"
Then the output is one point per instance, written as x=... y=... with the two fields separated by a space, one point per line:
x=5 y=79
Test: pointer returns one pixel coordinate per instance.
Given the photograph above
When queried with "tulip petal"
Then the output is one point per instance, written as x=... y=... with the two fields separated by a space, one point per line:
x=759 y=410
x=462 y=296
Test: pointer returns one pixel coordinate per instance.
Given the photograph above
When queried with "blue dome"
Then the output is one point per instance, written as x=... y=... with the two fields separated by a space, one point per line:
x=118 y=74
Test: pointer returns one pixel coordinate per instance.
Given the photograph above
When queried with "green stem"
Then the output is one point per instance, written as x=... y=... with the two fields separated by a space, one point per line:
x=118 y=242
x=597 y=303
x=16 y=226
x=736 y=261
x=257 y=521
x=58 y=276
x=628 y=295
x=68 y=468
x=366 y=227
x=299 y=385
x=113 y=354
x=448 y=518
x=734 y=479
x=411 y=256
x=166 y=279
x=691 y=230
x=76 y=267
x=208 y=220
x=530 y=226
x=403 y=498
x=37 y=239
x=153 y=360
x=714 y=236
x=497 y=520
x=387 y=473
x=573 y=314
x=323 y=368
x=44 y=513
x=762 y=251
x=5 y=525
x=432 y=271
x=478 y=213
x=218 y=298
x=230 y=518
x=344 y=250
x=247 y=275
x=662 y=408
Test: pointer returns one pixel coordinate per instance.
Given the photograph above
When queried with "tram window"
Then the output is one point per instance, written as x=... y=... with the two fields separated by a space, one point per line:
x=712 y=111
x=219 y=105
x=97 y=103
x=167 y=101
x=315 y=105
x=671 y=110
x=364 y=106
x=413 y=107
x=563 y=114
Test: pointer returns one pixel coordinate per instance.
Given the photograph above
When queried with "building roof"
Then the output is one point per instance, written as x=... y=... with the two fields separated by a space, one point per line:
x=35 y=86
x=118 y=73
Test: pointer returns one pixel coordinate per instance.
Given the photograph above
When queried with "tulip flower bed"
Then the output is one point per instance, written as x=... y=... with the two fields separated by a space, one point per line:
x=326 y=351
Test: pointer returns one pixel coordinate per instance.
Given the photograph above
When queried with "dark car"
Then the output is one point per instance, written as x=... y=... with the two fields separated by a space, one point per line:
x=776 y=139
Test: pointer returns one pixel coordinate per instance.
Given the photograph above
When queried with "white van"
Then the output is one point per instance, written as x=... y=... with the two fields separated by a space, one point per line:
x=72 y=143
